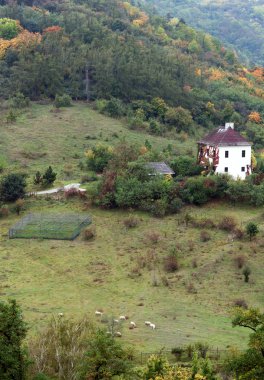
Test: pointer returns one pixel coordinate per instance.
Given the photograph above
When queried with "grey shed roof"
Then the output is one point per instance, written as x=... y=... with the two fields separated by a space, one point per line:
x=160 y=168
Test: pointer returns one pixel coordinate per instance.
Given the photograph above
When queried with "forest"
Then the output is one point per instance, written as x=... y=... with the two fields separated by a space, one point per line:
x=238 y=23
x=112 y=50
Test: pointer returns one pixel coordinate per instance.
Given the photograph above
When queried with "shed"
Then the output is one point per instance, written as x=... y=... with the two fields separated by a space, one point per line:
x=159 y=168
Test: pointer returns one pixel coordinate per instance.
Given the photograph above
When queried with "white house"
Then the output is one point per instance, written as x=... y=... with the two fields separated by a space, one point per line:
x=225 y=151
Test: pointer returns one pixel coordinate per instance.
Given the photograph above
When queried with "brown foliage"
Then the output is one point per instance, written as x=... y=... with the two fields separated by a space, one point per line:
x=131 y=222
x=89 y=233
x=205 y=236
x=240 y=261
x=228 y=223
x=171 y=264
x=240 y=303
x=4 y=211
x=153 y=237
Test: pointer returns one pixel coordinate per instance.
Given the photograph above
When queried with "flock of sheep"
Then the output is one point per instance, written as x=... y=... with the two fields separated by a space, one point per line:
x=132 y=325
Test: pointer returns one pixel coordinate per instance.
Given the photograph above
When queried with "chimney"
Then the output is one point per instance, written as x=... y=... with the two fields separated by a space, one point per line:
x=229 y=125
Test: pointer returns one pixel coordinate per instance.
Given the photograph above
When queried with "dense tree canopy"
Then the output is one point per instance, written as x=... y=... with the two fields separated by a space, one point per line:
x=114 y=50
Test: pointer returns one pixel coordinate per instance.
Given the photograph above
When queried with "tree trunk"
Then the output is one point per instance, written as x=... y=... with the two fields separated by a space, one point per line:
x=87 y=82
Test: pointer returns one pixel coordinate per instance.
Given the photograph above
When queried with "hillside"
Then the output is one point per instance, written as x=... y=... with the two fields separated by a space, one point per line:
x=112 y=50
x=238 y=24
x=115 y=271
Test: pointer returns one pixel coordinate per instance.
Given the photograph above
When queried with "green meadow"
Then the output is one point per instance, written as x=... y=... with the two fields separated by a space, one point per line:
x=121 y=271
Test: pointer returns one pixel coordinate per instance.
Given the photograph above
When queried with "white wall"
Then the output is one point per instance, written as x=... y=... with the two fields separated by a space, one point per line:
x=235 y=161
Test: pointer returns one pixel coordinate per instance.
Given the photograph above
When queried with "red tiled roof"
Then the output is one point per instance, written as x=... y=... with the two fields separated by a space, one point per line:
x=223 y=137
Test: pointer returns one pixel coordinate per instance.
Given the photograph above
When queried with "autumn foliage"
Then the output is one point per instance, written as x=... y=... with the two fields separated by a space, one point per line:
x=23 y=39
x=255 y=117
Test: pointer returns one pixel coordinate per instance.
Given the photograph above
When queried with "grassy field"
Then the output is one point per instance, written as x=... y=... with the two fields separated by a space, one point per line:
x=79 y=277
x=42 y=137
x=118 y=270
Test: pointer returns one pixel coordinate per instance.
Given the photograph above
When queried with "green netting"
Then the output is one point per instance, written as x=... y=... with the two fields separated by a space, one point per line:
x=50 y=226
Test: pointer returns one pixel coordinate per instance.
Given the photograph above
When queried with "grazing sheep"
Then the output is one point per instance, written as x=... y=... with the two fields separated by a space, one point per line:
x=131 y=327
x=118 y=334
x=147 y=323
x=98 y=313
x=60 y=314
x=122 y=318
x=152 y=326
x=133 y=324
x=116 y=321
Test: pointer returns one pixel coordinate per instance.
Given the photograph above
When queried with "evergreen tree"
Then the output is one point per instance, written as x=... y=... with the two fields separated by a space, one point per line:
x=13 y=362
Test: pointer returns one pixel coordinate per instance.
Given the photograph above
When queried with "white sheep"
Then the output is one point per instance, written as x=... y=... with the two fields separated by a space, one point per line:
x=98 y=313
x=132 y=324
x=152 y=326
x=122 y=318
x=116 y=321
x=60 y=314
x=147 y=323
x=118 y=334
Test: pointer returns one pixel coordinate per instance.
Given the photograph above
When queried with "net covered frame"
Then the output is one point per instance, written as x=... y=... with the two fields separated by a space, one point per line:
x=57 y=226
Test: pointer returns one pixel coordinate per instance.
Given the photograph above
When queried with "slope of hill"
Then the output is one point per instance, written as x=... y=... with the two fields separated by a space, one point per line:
x=239 y=23
x=103 y=49
x=116 y=271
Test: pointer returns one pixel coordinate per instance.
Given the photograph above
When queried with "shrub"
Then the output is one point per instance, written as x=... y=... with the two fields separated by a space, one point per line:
x=240 y=261
x=11 y=116
x=204 y=223
x=238 y=191
x=180 y=119
x=19 y=205
x=114 y=108
x=246 y=272
x=194 y=263
x=177 y=352
x=49 y=176
x=153 y=237
x=185 y=166
x=202 y=349
x=239 y=233
x=9 y=28
x=171 y=264
x=228 y=223
x=41 y=376
x=89 y=178
x=19 y=101
x=4 y=211
x=12 y=187
x=165 y=281
x=159 y=208
x=131 y=222
x=62 y=101
x=71 y=193
x=154 y=127
x=98 y=157
x=100 y=105
x=205 y=236
x=252 y=230
x=37 y=178
x=191 y=288
x=240 y=303
x=89 y=233
x=175 y=206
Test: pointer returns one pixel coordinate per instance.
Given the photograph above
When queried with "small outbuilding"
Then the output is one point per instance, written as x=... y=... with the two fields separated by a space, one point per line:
x=225 y=151
x=160 y=168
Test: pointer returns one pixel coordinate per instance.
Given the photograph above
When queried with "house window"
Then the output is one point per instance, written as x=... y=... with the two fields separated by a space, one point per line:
x=226 y=153
x=226 y=170
x=243 y=168
x=243 y=153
